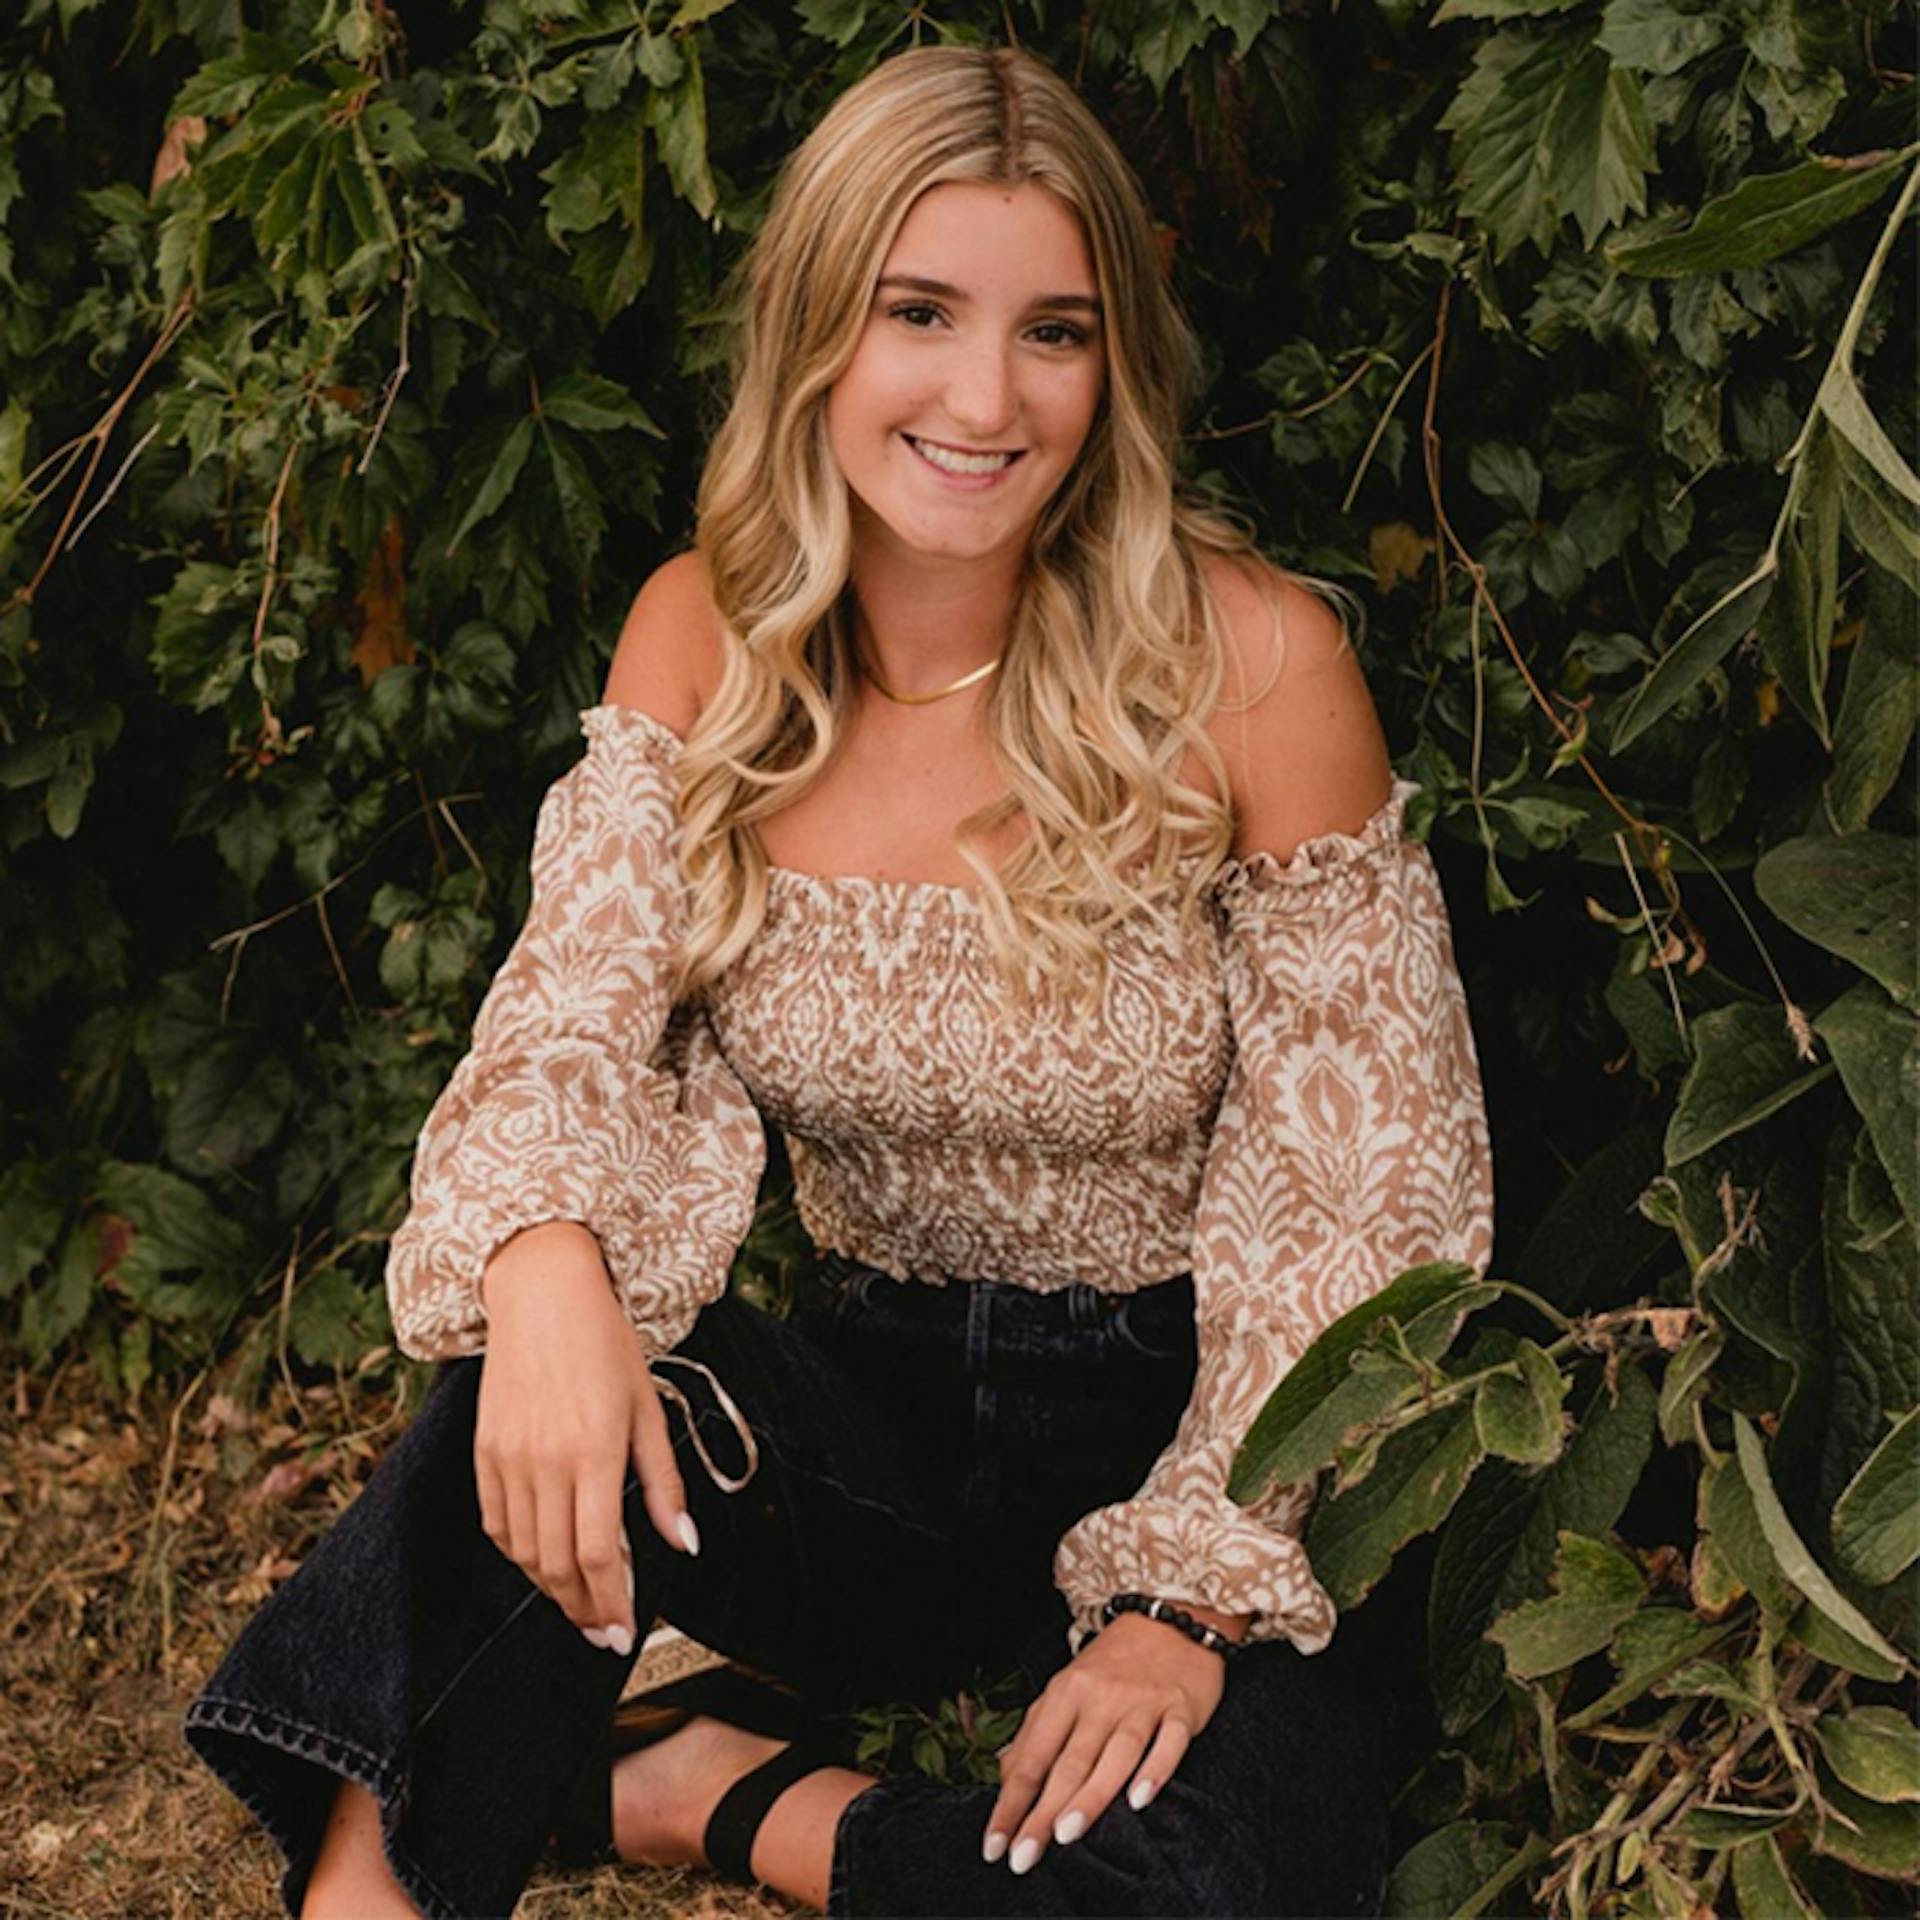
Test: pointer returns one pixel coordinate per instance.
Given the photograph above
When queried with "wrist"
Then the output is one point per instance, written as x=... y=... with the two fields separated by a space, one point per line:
x=1234 y=1625
x=559 y=1252
x=1172 y=1616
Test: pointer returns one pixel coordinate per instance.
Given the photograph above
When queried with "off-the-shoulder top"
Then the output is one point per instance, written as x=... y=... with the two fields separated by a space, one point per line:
x=1288 y=1107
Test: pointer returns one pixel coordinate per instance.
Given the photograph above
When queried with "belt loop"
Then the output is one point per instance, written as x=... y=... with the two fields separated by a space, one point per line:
x=1083 y=1306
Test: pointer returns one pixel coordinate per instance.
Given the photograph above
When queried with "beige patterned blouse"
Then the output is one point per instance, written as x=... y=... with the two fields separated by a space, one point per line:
x=1288 y=1107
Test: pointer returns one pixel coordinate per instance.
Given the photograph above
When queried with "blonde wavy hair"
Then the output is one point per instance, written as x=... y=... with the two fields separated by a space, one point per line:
x=1115 y=655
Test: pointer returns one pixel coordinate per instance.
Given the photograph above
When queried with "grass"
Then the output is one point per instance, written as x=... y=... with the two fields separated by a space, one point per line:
x=134 y=1541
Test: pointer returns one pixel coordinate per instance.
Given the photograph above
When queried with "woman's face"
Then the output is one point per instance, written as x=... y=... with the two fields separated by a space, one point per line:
x=984 y=339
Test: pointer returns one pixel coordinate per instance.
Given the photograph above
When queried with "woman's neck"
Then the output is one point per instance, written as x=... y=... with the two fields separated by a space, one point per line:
x=923 y=624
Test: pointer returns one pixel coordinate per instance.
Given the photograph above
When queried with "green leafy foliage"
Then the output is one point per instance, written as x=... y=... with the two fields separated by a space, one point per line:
x=353 y=379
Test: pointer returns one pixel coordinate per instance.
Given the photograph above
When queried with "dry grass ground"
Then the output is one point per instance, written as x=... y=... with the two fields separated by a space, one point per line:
x=134 y=1541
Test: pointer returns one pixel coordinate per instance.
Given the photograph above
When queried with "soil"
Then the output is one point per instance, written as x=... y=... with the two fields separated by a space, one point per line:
x=135 y=1538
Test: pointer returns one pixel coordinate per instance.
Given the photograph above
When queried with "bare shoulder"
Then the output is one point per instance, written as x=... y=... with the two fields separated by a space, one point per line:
x=1306 y=756
x=667 y=662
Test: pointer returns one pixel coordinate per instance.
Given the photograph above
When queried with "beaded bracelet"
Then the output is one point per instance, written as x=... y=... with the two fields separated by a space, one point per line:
x=1196 y=1630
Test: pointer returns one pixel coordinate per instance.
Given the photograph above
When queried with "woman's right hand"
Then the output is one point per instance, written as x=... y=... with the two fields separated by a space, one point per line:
x=566 y=1401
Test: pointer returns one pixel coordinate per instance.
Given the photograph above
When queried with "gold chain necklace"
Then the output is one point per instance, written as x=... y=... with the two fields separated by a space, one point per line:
x=922 y=699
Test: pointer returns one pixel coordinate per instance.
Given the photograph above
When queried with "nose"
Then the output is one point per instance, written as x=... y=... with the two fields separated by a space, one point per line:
x=981 y=394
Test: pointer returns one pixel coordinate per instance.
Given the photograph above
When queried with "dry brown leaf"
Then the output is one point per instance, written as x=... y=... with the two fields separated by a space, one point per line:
x=1670 y=1326
x=188 y=131
x=382 y=641
x=1397 y=552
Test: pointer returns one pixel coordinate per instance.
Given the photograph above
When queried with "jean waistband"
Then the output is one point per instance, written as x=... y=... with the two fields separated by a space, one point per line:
x=1077 y=1305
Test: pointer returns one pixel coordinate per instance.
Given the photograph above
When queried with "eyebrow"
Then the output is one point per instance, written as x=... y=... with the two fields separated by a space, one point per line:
x=913 y=283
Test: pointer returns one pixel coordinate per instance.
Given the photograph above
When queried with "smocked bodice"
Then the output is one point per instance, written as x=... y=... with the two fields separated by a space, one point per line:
x=931 y=1137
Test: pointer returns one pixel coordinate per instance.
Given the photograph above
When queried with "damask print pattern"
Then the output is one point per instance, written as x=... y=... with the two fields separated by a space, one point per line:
x=1350 y=1145
x=584 y=1095
x=932 y=1140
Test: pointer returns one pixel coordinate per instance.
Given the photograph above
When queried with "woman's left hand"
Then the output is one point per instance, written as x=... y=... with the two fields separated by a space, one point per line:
x=1134 y=1697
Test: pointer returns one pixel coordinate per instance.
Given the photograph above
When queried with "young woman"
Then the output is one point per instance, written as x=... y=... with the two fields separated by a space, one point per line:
x=1113 y=1031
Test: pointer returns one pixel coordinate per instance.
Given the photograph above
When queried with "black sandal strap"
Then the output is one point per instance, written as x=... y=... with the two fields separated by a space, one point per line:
x=736 y=1820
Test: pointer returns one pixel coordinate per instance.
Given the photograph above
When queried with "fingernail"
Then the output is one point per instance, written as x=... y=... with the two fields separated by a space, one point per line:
x=1139 y=1793
x=689 y=1533
x=1025 y=1854
x=620 y=1640
x=1070 y=1826
x=993 y=1847
x=595 y=1637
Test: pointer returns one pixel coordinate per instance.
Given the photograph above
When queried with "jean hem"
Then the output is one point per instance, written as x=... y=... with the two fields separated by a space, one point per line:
x=334 y=1753
x=840 y=1871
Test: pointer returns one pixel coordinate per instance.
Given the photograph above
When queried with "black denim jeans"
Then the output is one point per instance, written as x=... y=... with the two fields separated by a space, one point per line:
x=921 y=1450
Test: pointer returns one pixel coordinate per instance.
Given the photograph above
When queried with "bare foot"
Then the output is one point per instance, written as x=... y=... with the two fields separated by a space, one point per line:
x=664 y=1794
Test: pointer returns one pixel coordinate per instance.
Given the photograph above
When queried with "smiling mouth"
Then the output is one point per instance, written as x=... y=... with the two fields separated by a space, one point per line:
x=962 y=460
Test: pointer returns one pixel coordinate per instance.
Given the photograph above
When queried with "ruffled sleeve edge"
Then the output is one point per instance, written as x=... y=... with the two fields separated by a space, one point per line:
x=1320 y=855
x=615 y=726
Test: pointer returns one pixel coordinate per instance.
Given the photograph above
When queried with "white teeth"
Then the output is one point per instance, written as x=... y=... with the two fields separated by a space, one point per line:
x=962 y=462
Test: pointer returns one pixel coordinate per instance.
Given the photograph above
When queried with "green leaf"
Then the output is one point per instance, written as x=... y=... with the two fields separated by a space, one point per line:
x=1880 y=705
x=1508 y=474
x=1733 y=1526
x=1875 y=1750
x=1705 y=643
x=837 y=20
x=1880 y=1840
x=1790 y=1551
x=1833 y=1646
x=1873 y=1338
x=1796 y=626
x=1718 y=1826
x=678 y=117
x=1765 y=216
x=1854 y=895
x=1876 y=1046
x=1505 y=167
x=1744 y=1068
x=1876 y=1520
x=1649 y=1645
x=497 y=473
x=1295 y=1421
x=1686 y=1380
x=1420 y=1472
x=1763 y=1886
x=1518 y=1415
x=55 y=1308
x=1460 y=1870
x=1596 y=1587
x=1844 y=406
x=1882 y=523
x=1652 y=36
x=248 y=840
x=1600 y=143
x=1498 y=1549
x=592 y=404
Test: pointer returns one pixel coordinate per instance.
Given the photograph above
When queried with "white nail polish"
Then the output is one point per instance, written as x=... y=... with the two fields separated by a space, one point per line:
x=1139 y=1793
x=689 y=1533
x=595 y=1637
x=620 y=1641
x=993 y=1847
x=1070 y=1826
x=1025 y=1854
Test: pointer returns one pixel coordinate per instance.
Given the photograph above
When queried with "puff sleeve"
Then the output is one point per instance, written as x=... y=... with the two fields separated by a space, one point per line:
x=1350 y=1143
x=585 y=1095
